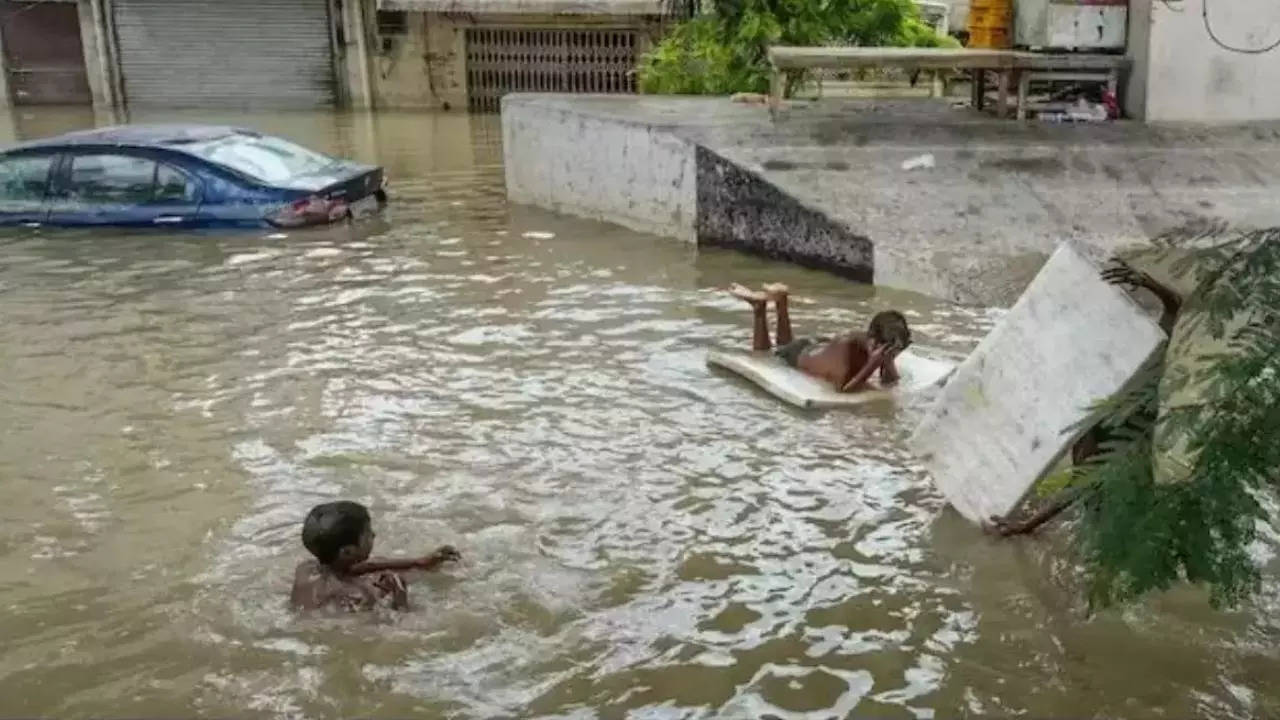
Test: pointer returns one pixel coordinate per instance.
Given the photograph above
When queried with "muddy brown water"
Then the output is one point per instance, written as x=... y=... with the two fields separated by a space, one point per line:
x=643 y=537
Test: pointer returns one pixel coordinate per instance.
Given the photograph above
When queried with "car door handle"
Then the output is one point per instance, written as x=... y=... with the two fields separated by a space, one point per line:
x=169 y=220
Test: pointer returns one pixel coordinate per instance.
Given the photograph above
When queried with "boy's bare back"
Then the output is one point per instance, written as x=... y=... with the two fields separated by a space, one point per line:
x=315 y=587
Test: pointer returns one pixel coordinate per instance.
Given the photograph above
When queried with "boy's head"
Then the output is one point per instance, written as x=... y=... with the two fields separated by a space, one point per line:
x=889 y=328
x=339 y=534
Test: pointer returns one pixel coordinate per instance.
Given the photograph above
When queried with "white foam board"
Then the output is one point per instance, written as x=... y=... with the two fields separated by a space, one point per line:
x=790 y=385
x=998 y=425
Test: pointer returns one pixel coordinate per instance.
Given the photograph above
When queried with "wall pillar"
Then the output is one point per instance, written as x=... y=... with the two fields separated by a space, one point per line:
x=1138 y=50
x=352 y=51
x=98 y=62
x=5 y=99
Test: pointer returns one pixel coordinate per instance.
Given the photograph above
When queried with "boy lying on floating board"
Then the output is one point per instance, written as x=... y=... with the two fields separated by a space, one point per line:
x=848 y=361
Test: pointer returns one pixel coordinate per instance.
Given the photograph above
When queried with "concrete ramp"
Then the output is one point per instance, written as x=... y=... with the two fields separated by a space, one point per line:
x=997 y=426
x=825 y=186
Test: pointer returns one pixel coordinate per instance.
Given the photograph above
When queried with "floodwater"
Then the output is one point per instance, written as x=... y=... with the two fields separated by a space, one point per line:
x=643 y=537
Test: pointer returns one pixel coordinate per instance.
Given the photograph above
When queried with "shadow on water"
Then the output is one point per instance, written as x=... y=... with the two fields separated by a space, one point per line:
x=641 y=534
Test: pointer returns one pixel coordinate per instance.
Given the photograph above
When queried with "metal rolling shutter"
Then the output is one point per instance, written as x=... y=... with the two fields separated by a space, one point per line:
x=225 y=53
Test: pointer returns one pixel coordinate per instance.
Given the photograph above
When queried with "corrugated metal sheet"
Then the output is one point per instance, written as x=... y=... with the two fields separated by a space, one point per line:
x=577 y=60
x=225 y=53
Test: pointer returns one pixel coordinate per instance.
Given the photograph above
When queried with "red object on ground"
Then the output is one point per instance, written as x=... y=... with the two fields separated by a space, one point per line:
x=1113 y=106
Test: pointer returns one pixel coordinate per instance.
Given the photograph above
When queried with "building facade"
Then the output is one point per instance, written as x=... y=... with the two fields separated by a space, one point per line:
x=1193 y=60
x=179 y=53
x=445 y=54
x=429 y=55
x=51 y=54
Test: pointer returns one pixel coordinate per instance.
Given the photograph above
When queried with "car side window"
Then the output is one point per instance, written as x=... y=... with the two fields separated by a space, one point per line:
x=128 y=180
x=174 y=186
x=24 y=178
x=112 y=179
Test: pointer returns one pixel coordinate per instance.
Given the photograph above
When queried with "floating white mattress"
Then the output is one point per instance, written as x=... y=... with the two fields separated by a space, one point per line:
x=789 y=384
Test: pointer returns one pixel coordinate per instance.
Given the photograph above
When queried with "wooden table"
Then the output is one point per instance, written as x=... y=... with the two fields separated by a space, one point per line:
x=1010 y=65
x=1029 y=67
x=784 y=58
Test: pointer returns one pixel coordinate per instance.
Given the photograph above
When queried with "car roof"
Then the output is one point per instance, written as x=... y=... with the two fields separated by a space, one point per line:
x=174 y=136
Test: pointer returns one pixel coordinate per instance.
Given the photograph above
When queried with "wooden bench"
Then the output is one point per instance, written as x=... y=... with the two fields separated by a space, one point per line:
x=1011 y=67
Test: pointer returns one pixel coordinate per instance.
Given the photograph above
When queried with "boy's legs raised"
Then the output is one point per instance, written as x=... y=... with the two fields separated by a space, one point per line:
x=760 y=327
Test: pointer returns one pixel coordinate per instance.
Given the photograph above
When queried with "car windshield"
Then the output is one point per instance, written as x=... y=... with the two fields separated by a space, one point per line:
x=266 y=158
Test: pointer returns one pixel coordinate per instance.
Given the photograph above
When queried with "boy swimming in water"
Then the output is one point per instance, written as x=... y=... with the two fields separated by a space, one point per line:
x=847 y=361
x=340 y=536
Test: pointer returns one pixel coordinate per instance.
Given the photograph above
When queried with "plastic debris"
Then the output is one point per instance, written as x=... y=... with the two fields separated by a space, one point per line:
x=924 y=161
x=1080 y=111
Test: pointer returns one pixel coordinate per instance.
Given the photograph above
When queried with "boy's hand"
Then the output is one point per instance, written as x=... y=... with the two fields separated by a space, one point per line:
x=1121 y=273
x=442 y=555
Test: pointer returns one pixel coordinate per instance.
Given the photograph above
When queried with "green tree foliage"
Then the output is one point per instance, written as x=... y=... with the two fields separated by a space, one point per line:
x=723 y=51
x=1175 y=493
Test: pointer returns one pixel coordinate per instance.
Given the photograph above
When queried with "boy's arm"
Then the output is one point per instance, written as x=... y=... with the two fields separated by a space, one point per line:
x=442 y=555
x=374 y=565
x=1123 y=274
x=1171 y=301
x=874 y=360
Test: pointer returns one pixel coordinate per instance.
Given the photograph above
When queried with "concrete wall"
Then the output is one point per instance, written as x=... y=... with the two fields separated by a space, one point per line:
x=423 y=68
x=1190 y=77
x=637 y=175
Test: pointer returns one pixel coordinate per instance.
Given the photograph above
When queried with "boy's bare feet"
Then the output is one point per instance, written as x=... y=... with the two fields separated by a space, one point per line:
x=744 y=293
x=776 y=291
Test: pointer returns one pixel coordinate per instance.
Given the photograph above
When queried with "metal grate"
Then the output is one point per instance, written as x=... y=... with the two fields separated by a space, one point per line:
x=507 y=60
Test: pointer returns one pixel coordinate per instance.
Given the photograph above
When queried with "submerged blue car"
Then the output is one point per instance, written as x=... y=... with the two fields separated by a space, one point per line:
x=181 y=176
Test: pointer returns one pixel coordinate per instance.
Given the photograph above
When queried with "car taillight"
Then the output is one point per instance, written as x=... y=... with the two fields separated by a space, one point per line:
x=308 y=211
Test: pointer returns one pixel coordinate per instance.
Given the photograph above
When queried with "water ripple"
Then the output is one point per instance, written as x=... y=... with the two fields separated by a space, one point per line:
x=644 y=537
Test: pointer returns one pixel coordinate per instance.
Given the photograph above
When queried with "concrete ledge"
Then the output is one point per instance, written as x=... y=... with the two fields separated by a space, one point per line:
x=824 y=184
